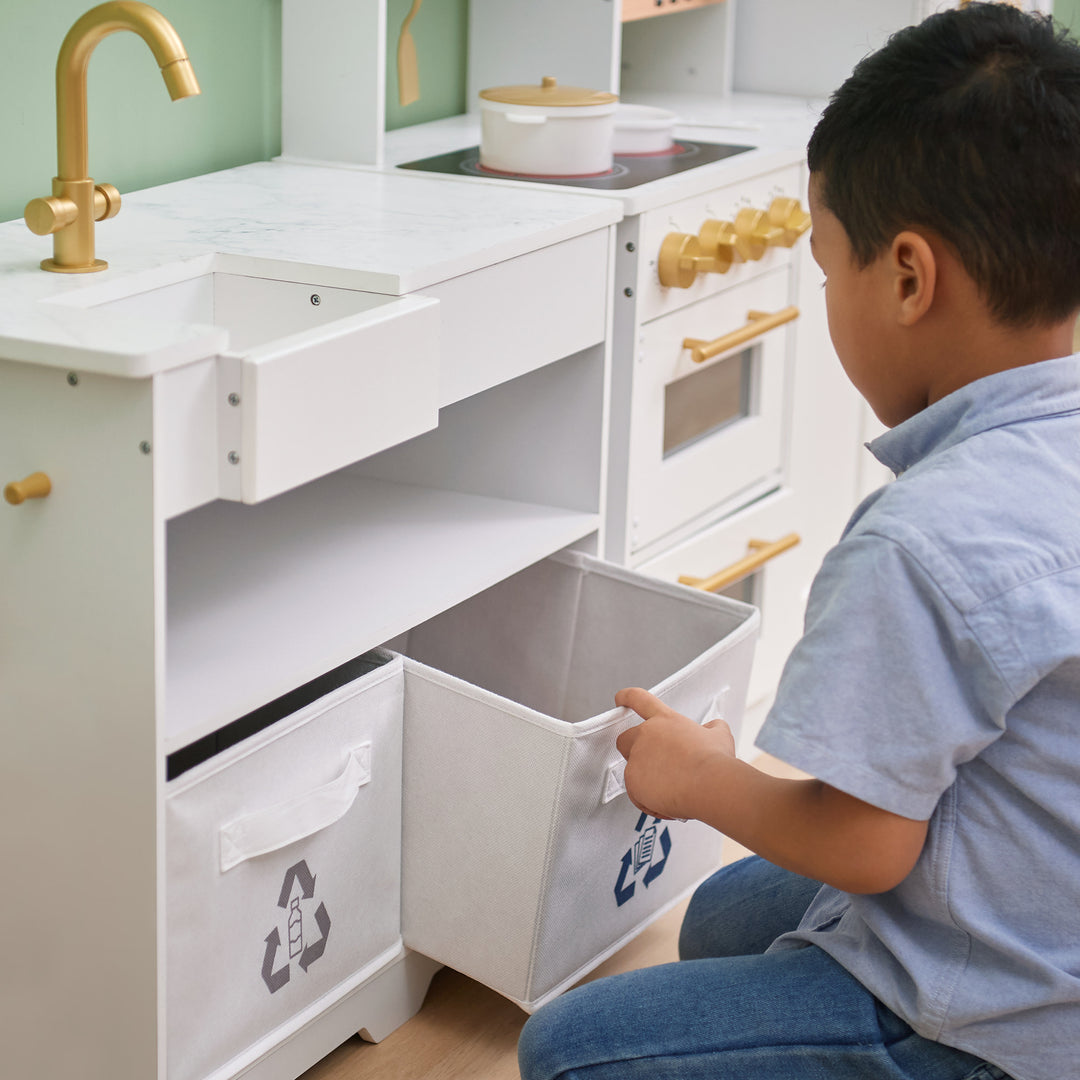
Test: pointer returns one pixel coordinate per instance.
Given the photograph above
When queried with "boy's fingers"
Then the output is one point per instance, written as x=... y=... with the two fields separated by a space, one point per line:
x=646 y=705
x=625 y=741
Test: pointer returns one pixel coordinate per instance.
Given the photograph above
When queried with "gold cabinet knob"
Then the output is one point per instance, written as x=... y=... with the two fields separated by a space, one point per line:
x=49 y=214
x=788 y=214
x=106 y=202
x=754 y=233
x=682 y=258
x=35 y=486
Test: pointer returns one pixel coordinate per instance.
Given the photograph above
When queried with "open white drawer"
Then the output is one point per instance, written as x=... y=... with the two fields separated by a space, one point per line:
x=297 y=407
x=313 y=378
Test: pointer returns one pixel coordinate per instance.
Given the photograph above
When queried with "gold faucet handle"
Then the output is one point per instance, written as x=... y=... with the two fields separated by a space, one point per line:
x=54 y=212
x=106 y=202
x=49 y=214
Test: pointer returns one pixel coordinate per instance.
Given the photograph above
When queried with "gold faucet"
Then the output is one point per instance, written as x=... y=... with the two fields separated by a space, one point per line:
x=76 y=201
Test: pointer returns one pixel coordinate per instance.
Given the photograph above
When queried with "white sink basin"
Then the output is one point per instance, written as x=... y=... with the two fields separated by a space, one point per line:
x=313 y=378
x=254 y=310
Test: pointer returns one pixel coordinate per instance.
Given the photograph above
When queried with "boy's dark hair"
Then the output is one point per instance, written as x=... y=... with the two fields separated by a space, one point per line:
x=967 y=124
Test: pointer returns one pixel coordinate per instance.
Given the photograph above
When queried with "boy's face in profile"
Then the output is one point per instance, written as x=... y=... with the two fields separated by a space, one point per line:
x=859 y=302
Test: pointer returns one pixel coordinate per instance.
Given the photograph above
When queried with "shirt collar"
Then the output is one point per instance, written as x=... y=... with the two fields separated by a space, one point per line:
x=1022 y=393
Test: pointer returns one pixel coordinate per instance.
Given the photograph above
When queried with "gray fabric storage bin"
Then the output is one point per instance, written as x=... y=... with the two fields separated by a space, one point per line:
x=524 y=862
x=283 y=875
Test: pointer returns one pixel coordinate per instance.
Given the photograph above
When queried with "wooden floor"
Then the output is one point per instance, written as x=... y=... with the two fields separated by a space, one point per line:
x=467 y=1032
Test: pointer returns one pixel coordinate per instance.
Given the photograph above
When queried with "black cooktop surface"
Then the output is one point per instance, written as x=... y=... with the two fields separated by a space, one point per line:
x=630 y=170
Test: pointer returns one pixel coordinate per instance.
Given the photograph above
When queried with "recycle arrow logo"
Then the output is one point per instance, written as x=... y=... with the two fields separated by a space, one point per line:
x=304 y=954
x=641 y=856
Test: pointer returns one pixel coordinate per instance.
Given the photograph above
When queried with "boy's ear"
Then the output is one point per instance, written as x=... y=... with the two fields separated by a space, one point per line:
x=914 y=269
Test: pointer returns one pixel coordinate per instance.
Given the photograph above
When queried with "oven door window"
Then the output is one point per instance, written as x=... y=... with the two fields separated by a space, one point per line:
x=700 y=404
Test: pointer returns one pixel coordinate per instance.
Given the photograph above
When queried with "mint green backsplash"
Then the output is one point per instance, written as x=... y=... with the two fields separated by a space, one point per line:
x=1068 y=12
x=138 y=137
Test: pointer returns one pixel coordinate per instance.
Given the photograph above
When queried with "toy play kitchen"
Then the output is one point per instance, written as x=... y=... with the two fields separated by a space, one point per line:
x=281 y=479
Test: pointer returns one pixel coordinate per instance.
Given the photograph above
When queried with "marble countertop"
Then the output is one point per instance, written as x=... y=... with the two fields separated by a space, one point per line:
x=345 y=227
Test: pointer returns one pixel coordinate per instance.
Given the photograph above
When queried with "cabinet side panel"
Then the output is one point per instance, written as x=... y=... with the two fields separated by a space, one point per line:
x=79 y=765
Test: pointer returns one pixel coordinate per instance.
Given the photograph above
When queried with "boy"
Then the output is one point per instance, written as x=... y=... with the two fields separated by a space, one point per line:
x=935 y=694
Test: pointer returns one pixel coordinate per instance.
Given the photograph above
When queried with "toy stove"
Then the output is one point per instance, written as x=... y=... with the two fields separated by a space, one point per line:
x=628 y=170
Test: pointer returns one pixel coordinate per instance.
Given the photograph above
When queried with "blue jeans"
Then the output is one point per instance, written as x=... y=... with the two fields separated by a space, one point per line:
x=728 y=1011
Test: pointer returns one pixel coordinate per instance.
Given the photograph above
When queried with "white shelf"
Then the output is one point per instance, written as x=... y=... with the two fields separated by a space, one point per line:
x=264 y=598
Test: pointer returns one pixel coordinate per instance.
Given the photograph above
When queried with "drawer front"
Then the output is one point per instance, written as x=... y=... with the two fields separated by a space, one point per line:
x=523 y=313
x=282 y=876
x=702 y=433
x=688 y=216
x=779 y=587
x=317 y=401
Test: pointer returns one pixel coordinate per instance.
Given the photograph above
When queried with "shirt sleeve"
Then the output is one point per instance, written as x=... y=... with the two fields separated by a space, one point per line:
x=888 y=691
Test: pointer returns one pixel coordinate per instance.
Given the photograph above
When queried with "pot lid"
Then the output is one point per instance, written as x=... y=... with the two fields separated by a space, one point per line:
x=549 y=92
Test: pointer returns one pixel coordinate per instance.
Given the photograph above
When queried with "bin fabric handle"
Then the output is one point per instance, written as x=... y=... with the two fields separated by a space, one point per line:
x=615 y=781
x=304 y=815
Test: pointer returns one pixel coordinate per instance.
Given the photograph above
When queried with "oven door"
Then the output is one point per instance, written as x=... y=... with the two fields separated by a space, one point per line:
x=708 y=407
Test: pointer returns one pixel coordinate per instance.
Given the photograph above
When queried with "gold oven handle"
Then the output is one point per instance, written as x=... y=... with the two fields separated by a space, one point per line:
x=761 y=551
x=758 y=323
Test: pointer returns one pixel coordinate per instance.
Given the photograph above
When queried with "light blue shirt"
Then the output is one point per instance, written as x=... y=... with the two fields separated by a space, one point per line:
x=939 y=677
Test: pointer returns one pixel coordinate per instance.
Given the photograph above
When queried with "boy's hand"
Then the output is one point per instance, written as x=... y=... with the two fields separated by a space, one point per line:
x=667 y=755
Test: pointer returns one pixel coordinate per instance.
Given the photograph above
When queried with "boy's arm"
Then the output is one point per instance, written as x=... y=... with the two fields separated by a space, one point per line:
x=676 y=768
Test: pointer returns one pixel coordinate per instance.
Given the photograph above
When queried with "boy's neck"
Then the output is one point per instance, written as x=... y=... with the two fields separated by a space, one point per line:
x=981 y=347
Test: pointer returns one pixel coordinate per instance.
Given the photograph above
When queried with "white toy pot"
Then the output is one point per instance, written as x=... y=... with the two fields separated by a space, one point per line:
x=547 y=130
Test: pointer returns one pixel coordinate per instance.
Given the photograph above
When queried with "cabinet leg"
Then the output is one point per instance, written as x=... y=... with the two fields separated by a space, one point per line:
x=401 y=992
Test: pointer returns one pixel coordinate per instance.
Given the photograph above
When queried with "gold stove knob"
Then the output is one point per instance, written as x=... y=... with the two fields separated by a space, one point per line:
x=754 y=233
x=788 y=215
x=717 y=239
x=682 y=257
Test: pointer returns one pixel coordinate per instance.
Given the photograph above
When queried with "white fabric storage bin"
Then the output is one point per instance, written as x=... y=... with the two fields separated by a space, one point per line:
x=283 y=875
x=524 y=862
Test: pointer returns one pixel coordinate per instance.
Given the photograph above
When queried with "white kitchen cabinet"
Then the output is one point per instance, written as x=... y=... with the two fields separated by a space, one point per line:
x=148 y=612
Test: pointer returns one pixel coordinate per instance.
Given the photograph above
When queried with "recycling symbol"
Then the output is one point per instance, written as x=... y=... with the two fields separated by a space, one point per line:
x=305 y=954
x=641 y=856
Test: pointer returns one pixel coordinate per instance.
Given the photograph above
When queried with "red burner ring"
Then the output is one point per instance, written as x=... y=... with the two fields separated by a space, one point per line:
x=674 y=150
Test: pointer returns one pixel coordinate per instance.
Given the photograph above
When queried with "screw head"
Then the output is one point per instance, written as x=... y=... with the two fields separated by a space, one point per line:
x=234 y=458
x=316 y=299
x=631 y=246
x=234 y=399
x=145 y=446
x=73 y=378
